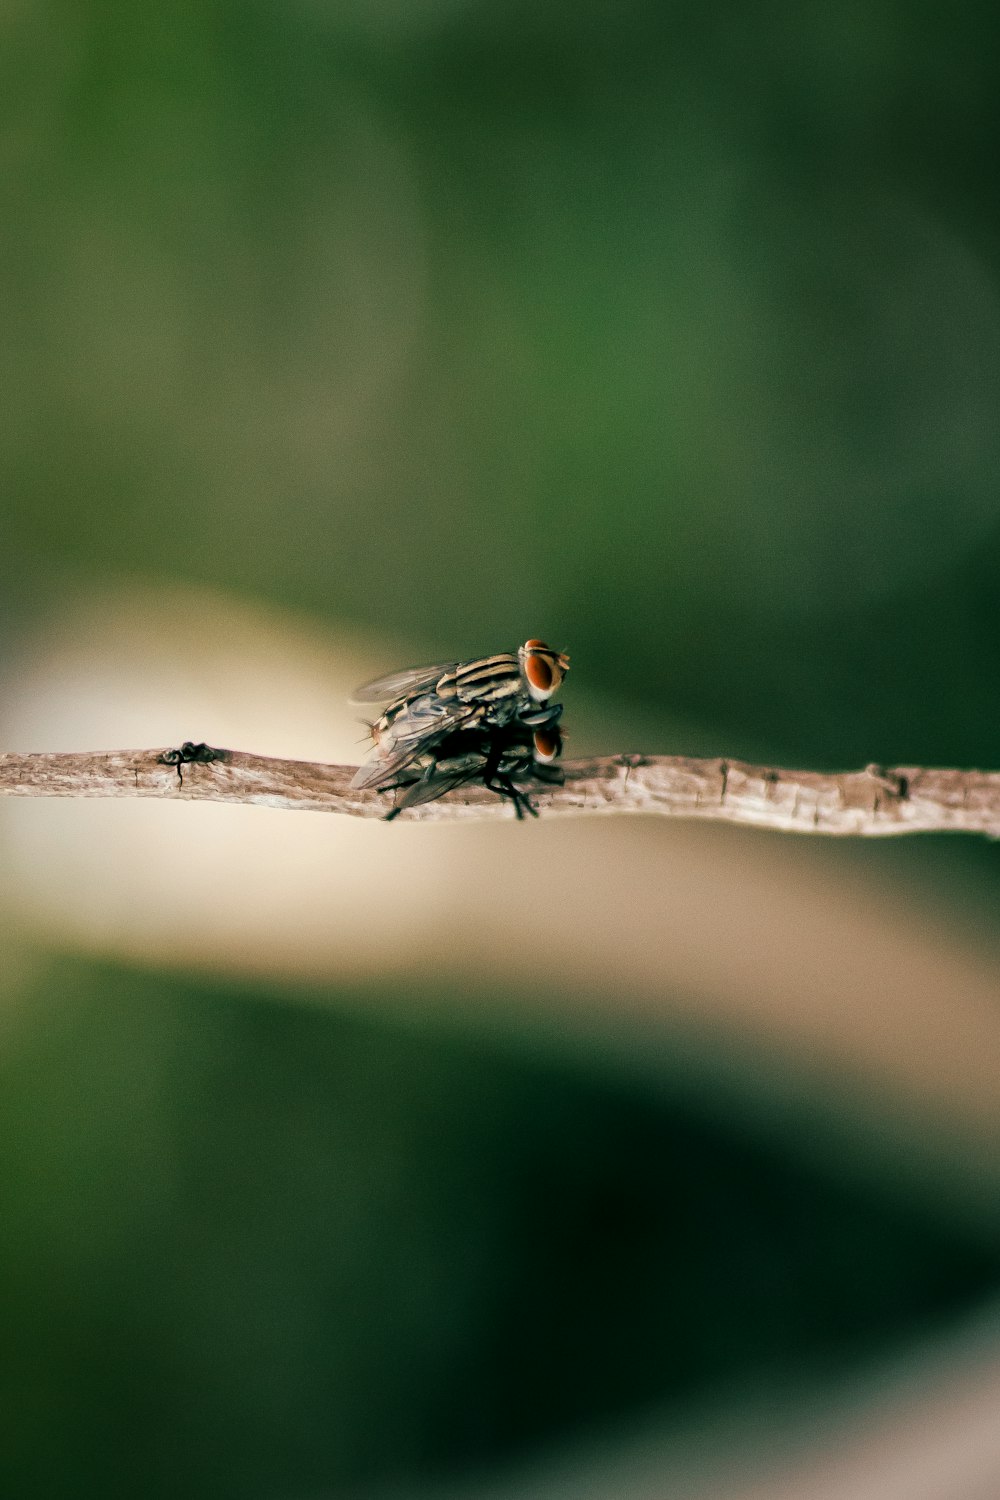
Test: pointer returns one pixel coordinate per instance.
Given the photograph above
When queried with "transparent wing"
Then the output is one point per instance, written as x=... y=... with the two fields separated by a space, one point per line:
x=430 y=788
x=419 y=727
x=401 y=684
x=382 y=770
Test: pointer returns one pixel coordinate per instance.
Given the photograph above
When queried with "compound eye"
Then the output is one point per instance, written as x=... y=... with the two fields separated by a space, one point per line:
x=538 y=671
x=535 y=646
x=547 y=744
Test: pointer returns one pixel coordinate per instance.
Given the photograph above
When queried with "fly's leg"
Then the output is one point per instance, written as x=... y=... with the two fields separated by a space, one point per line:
x=502 y=784
x=397 y=786
x=394 y=786
x=498 y=781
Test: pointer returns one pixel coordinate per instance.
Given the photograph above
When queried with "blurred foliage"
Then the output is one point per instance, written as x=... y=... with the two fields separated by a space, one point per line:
x=254 y=1249
x=669 y=332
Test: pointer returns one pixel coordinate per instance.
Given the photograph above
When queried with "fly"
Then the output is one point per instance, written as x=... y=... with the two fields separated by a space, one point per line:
x=488 y=720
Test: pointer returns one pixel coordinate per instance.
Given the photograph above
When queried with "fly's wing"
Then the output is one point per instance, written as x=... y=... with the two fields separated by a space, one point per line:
x=403 y=684
x=419 y=727
x=430 y=788
x=493 y=680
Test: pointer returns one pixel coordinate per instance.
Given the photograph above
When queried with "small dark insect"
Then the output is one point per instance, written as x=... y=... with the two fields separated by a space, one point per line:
x=486 y=720
x=188 y=754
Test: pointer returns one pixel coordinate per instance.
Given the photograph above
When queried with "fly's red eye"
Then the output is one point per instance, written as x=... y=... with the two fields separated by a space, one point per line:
x=535 y=646
x=539 y=674
x=546 y=744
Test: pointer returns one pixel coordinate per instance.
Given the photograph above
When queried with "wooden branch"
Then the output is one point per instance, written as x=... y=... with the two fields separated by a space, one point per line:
x=875 y=801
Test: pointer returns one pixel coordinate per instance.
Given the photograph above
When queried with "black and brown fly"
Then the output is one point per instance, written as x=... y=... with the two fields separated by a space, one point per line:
x=490 y=720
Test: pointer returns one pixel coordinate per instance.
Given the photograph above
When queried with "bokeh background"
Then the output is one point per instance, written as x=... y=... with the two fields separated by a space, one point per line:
x=585 y=1158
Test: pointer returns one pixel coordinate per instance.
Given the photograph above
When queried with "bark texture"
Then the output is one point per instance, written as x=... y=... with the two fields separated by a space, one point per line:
x=873 y=802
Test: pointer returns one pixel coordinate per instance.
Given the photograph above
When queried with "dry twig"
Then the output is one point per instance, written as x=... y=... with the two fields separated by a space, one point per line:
x=875 y=801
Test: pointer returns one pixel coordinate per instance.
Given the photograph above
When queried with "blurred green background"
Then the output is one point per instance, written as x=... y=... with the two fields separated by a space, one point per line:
x=670 y=333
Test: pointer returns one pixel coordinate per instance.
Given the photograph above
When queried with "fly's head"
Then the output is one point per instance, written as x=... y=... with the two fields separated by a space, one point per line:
x=540 y=732
x=542 y=669
x=547 y=744
x=534 y=742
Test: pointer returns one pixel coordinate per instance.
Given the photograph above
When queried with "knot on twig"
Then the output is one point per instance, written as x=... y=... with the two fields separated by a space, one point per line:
x=629 y=763
x=893 y=782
